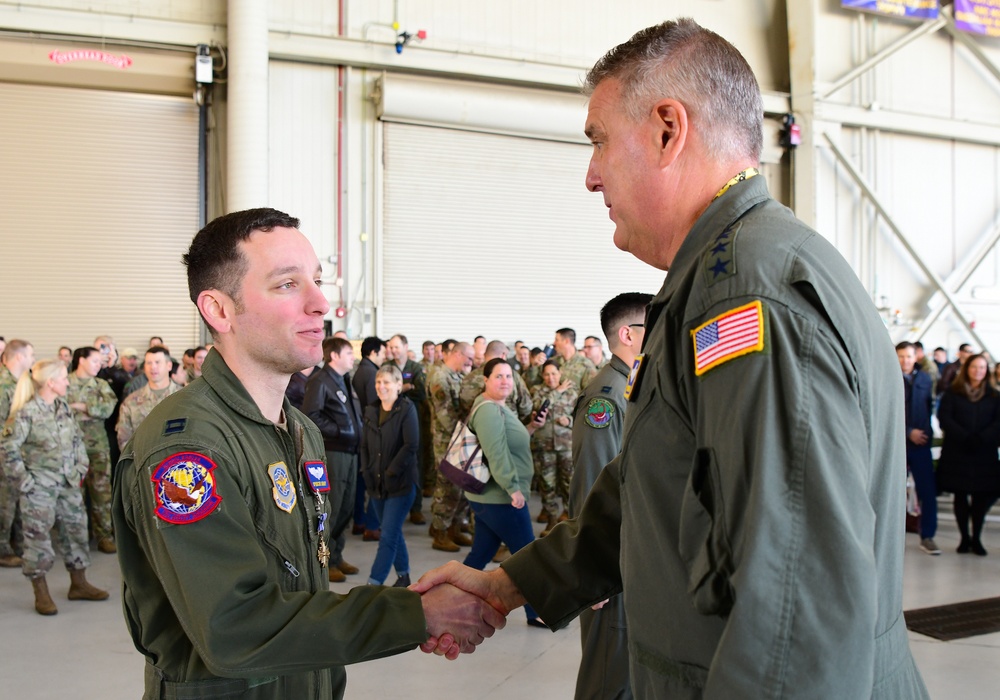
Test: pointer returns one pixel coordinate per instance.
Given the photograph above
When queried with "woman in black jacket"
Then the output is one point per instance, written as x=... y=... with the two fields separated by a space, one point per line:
x=969 y=468
x=389 y=440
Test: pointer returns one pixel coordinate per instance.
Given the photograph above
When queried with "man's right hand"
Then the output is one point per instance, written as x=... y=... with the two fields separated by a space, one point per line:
x=494 y=587
x=457 y=620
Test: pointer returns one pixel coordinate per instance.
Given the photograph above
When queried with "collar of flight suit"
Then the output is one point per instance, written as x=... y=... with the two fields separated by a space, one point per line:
x=230 y=389
x=722 y=212
x=618 y=364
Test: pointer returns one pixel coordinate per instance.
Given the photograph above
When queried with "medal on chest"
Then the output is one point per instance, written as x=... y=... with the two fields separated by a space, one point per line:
x=319 y=483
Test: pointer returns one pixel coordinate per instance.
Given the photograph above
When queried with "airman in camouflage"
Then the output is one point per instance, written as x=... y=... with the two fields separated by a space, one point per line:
x=519 y=400
x=444 y=388
x=43 y=453
x=137 y=406
x=532 y=374
x=18 y=357
x=552 y=444
x=93 y=400
x=573 y=364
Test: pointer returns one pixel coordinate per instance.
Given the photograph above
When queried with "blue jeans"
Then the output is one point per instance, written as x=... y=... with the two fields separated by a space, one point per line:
x=391 y=513
x=496 y=523
x=364 y=516
x=921 y=465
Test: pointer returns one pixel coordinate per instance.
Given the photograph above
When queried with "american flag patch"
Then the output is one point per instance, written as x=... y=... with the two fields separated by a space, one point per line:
x=732 y=334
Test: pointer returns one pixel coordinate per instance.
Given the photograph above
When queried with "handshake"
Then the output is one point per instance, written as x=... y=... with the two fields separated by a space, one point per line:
x=464 y=606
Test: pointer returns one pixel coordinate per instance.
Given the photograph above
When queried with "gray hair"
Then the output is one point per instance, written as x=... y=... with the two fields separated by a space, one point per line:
x=392 y=370
x=684 y=61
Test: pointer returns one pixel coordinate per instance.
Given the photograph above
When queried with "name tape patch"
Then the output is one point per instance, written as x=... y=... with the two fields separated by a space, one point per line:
x=735 y=333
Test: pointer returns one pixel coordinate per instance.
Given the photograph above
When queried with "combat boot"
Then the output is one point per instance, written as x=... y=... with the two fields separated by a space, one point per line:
x=459 y=537
x=442 y=542
x=43 y=601
x=81 y=589
x=11 y=561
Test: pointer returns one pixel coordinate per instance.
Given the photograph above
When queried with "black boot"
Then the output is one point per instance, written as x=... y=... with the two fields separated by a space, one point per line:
x=402 y=582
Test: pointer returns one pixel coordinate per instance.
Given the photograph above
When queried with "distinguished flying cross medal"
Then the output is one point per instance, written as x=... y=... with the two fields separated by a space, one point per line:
x=732 y=334
x=284 y=487
x=319 y=483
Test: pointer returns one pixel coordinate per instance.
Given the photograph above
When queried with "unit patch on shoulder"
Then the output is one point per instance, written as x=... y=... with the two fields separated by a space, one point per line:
x=735 y=333
x=185 y=488
x=600 y=411
x=284 y=486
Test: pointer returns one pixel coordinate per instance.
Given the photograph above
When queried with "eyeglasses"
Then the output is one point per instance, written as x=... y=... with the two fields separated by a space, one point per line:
x=637 y=325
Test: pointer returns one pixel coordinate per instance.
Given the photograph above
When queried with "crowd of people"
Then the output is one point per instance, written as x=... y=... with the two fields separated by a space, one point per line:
x=964 y=395
x=65 y=420
x=384 y=443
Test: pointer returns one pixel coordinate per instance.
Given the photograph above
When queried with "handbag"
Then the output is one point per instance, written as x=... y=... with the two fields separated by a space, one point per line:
x=464 y=463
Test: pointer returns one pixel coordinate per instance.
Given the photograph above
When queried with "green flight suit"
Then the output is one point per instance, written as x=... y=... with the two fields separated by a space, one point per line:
x=597 y=439
x=235 y=600
x=755 y=515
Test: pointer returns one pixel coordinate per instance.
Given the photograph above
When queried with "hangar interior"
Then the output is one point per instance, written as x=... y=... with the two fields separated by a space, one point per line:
x=433 y=150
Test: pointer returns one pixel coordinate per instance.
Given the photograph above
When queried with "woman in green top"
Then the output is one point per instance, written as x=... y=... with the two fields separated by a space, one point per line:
x=501 y=516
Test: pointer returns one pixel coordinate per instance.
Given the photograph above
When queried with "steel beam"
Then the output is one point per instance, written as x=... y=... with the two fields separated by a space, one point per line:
x=901 y=237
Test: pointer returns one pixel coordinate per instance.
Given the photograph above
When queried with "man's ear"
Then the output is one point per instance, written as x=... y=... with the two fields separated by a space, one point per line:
x=671 y=121
x=217 y=308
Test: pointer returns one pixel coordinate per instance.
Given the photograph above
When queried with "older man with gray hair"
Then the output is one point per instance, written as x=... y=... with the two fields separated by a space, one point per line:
x=754 y=518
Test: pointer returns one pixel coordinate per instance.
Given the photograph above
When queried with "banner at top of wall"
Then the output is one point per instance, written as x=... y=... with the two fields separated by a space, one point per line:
x=978 y=16
x=909 y=9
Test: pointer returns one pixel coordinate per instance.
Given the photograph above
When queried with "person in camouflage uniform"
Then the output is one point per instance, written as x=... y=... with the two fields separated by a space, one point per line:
x=138 y=405
x=552 y=444
x=17 y=357
x=93 y=400
x=532 y=374
x=444 y=388
x=43 y=452
x=573 y=365
x=519 y=400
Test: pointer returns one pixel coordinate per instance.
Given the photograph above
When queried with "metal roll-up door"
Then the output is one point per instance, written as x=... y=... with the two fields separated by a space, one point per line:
x=495 y=235
x=100 y=193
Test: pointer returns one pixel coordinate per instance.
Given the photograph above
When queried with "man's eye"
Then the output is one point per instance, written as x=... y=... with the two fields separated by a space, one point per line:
x=318 y=283
x=286 y=285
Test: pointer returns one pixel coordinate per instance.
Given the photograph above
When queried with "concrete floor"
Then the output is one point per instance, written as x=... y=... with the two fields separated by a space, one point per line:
x=85 y=652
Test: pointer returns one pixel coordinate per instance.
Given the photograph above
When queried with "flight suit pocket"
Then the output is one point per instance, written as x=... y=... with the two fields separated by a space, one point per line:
x=704 y=545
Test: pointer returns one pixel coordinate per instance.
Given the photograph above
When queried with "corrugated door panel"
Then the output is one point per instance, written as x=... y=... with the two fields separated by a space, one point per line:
x=99 y=193
x=496 y=236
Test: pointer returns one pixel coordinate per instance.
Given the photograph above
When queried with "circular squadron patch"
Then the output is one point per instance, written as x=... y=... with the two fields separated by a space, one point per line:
x=600 y=411
x=185 y=488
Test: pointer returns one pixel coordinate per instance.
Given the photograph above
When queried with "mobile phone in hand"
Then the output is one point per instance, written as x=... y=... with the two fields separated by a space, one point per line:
x=543 y=409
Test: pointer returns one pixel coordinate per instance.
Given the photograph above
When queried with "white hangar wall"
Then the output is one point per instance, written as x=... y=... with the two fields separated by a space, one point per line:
x=344 y=109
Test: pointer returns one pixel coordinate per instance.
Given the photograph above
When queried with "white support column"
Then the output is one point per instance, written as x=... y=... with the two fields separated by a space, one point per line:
x=802 y=21
x=247 y=165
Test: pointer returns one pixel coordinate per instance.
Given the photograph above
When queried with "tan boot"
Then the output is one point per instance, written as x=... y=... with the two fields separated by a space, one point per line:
x=336 y=575
x=81 y=589
x=459 y=537
x=442 y=542
x=43 y=601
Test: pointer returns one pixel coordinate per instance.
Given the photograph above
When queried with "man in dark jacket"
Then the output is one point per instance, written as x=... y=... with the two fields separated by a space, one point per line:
x=331 y=404
x=372 y=357
x=917 y=387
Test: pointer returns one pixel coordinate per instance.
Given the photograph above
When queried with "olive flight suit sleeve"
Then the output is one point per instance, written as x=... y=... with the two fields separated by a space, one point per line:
x=777 y=528
x=419 y=382
x=246 y=616
x=576 y=564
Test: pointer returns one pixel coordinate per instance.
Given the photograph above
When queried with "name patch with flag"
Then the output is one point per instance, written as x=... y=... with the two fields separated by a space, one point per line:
x=732 y=334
